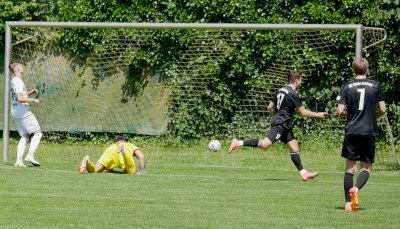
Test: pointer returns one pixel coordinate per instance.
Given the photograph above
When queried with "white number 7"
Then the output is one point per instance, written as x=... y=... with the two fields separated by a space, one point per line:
x=280 y=99
x=362 y=96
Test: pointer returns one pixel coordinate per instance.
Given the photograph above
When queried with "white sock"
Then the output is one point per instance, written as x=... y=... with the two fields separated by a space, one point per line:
x=21 y=148
x=34 y=144
x=302 y=172
x=240 y=143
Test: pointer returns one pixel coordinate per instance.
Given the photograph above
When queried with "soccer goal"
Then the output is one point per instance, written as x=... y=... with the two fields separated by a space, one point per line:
x=168 y=78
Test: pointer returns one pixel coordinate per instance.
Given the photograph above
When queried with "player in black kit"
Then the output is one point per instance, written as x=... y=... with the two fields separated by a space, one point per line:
x=283 y=105
x=361 y=98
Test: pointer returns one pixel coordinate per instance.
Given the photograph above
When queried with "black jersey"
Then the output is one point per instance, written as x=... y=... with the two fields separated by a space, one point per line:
x=286 y=101
x=361 y=97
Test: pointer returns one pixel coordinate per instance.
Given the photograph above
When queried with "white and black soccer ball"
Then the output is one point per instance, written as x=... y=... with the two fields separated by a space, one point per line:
x=214 y=145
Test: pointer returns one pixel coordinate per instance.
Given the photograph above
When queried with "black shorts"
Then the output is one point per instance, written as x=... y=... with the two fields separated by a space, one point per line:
x=279 y=132
x=359 y=148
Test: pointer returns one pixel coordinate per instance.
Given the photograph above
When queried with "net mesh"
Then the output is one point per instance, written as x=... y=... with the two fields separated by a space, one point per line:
x=116 y=88
x=95 y=94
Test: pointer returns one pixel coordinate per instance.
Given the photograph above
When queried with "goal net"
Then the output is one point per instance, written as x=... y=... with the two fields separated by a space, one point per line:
x=191 y=83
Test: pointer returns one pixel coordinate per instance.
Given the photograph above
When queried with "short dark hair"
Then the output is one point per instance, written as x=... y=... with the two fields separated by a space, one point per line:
x=118 y=138
x=293 y=76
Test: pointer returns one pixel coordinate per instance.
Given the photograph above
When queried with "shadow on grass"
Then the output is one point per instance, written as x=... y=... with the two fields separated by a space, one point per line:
x=342 y=209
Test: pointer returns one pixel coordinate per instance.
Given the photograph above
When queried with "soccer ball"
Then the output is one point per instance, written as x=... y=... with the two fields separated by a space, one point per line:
x=214 y=145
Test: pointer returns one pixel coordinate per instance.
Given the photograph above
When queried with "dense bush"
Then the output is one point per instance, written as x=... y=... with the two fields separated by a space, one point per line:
x=375 y=13
x=20 y=10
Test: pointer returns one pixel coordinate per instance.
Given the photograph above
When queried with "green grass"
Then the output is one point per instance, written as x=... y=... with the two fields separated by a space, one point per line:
x=190 y=187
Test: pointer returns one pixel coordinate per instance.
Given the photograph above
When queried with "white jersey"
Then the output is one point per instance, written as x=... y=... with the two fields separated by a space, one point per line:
x=18 y=109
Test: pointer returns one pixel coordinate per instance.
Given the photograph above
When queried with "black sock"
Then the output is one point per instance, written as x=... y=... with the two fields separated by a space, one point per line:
x=251 y=142
x=296 y=160
x=362 y=179
x=347 y=184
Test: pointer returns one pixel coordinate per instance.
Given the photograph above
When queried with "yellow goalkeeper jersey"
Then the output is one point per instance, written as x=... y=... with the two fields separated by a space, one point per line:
x=111 y=158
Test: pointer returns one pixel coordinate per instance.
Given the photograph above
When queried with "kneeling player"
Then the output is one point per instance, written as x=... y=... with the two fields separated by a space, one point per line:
x=117 y=156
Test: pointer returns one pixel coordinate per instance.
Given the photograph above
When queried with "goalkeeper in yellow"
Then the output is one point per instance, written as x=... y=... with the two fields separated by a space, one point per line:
x=116 y=157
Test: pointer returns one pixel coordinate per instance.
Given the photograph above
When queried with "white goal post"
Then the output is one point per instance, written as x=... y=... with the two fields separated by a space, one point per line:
x=356 y=28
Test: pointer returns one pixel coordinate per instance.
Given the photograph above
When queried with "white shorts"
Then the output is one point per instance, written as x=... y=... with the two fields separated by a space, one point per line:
x=27 y=125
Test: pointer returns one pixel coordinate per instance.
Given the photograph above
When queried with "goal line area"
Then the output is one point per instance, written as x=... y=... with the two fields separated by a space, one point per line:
x=192 y=81
x=321 y=156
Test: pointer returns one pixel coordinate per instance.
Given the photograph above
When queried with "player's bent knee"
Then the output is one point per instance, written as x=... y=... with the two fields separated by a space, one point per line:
x=293 y=146
x=98 y=168
x=265 y=143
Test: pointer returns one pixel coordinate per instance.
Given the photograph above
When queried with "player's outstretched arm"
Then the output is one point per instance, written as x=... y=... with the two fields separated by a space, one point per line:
x=310 y=114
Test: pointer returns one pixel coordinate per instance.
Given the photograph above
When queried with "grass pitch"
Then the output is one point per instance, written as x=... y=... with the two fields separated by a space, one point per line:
x=184 y=192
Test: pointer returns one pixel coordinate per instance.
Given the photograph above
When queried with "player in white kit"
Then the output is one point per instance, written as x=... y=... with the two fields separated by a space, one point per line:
x=25 y=121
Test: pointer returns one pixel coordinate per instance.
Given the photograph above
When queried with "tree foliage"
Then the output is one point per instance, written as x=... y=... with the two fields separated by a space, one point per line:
x=22 y=10
x=374 y=13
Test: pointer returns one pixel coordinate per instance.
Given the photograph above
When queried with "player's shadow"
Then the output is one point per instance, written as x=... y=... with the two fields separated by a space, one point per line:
x=342 y=209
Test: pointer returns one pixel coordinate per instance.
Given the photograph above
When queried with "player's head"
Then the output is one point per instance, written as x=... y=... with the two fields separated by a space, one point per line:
x=118 y=139
x=295 y=78
x=16 y=67
x=360 y=66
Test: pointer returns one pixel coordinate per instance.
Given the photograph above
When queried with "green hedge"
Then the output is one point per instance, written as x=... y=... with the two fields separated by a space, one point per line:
x=374 y=13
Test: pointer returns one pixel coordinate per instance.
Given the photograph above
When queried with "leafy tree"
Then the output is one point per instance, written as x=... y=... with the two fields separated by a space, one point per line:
x=22 y=10
x=243 y=62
